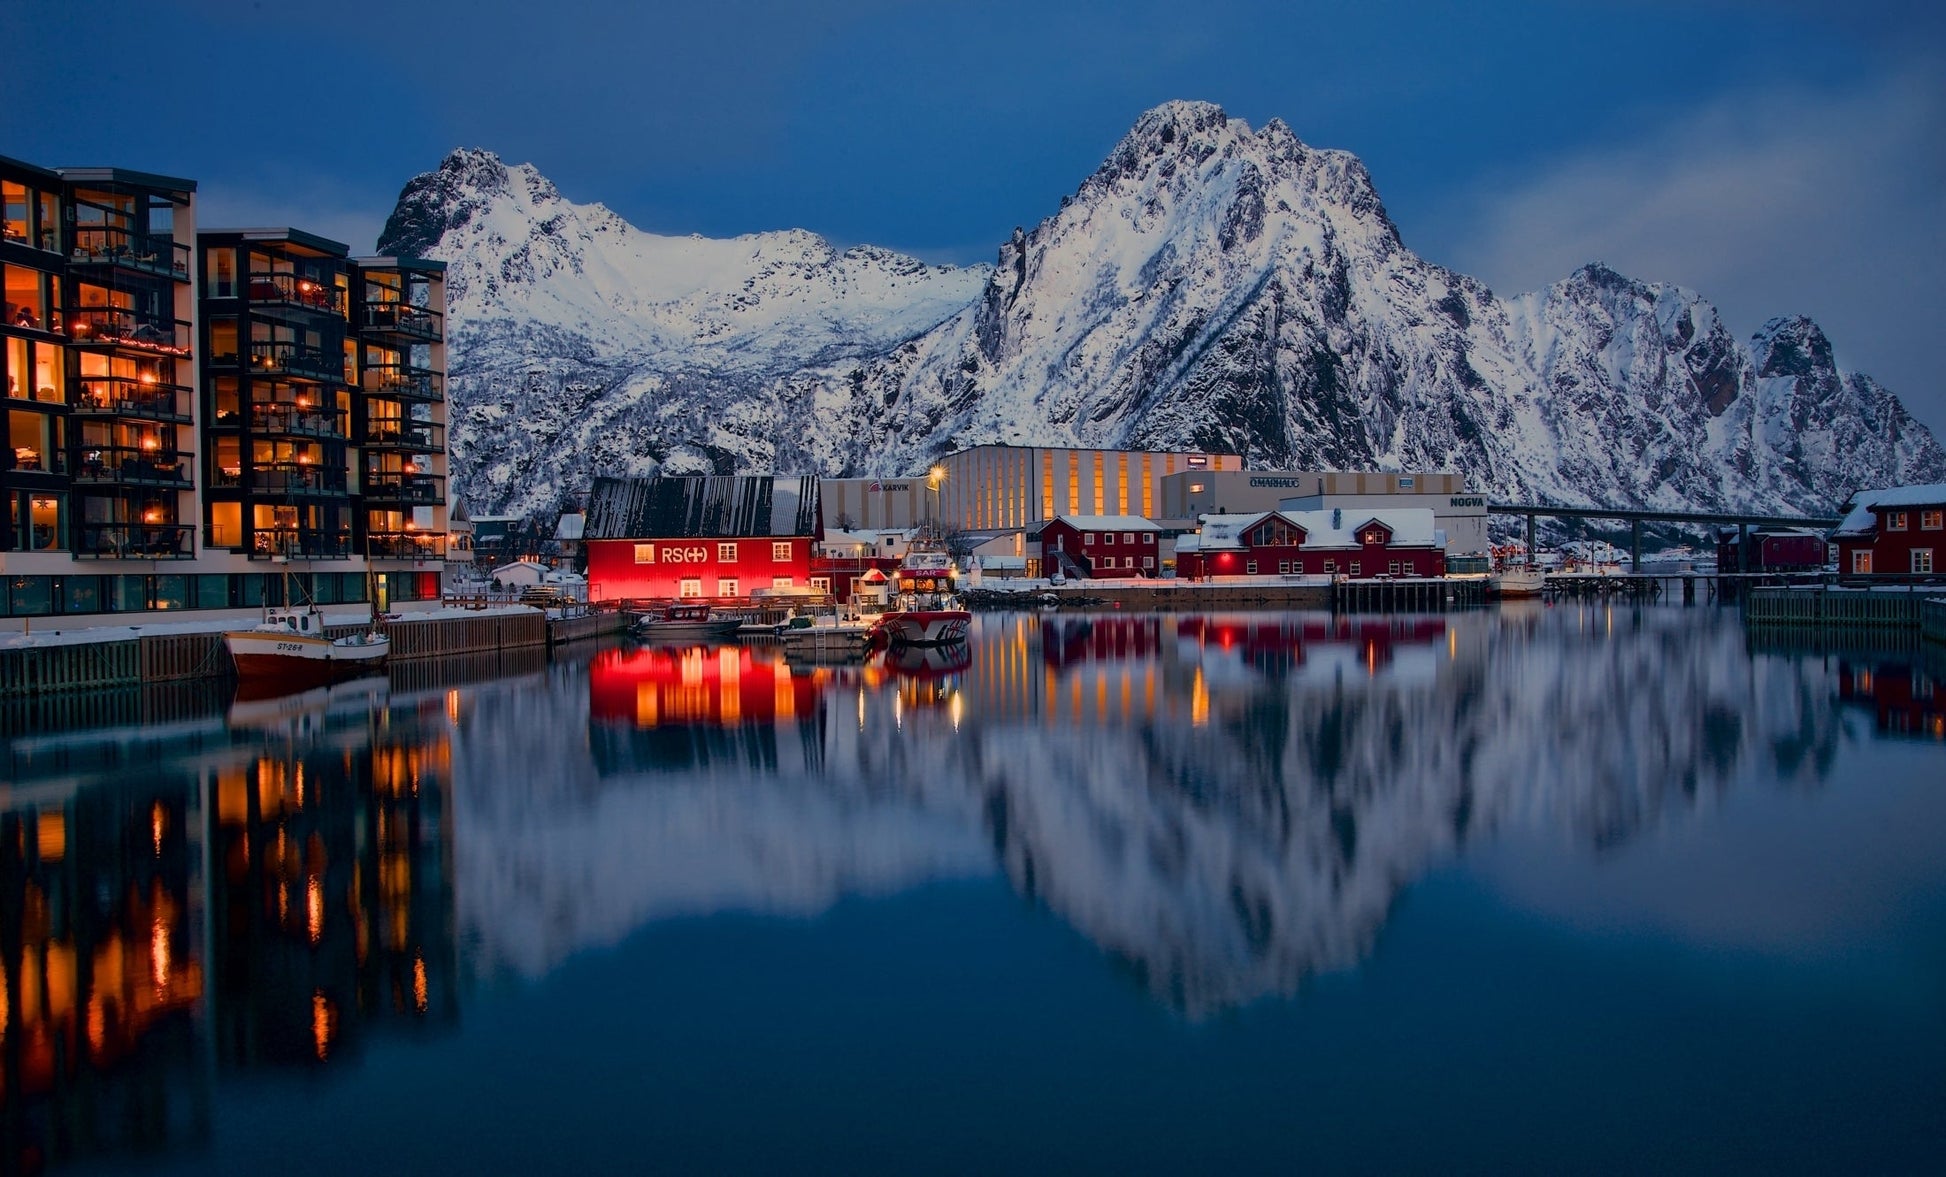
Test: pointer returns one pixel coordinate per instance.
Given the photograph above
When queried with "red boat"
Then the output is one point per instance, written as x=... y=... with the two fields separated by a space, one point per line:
x=926 y=613
x=289 y=652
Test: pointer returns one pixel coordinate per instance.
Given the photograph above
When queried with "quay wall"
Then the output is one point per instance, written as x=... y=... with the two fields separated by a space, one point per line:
x=183 y=657
x=1844 y=608
x=1161 y=596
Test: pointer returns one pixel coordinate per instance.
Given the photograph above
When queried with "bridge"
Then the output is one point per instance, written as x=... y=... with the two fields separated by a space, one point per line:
x=1636 y=518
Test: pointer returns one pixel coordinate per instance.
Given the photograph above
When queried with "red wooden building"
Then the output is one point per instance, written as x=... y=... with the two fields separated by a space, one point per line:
x=1772 y=549
x=1084 y=546
x=1358 y=544
x=712 y=537
x=1895 y=532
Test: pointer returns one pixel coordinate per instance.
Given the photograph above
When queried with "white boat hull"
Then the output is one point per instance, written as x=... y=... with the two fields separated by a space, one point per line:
x=1517 y=582
x=927 y=627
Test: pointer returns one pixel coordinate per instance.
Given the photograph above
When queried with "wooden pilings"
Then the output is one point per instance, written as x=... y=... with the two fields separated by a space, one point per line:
x=1835 y=607
x=82 y=665
x=1416 y=596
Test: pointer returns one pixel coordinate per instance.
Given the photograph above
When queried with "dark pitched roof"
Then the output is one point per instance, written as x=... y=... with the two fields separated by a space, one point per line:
x=703 y=507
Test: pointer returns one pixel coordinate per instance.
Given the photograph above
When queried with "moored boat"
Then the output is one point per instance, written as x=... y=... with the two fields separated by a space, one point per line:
x=288 y=651
x=686 y=620
x=926 y=612
x=1517 y=580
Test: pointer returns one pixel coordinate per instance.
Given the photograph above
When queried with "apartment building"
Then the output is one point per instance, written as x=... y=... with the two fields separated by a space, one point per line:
x=198 y=418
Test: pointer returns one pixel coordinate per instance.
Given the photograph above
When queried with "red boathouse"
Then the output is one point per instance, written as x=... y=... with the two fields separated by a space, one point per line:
x=1356 y=544
x=1895 y=532
x=711 y=537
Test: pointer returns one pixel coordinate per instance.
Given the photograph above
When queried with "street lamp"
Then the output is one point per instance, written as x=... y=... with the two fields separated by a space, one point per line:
x=934 y=477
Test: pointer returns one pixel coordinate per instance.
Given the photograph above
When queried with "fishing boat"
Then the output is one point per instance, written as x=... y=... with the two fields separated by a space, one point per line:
x=926 y=611
x=288 y=651
x=1515 y=581
x=686 y=620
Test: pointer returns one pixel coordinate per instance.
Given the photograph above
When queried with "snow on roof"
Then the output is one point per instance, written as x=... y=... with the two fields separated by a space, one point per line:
x=1108 y=522
x=508 y=567
x=570 y=526
x=1411 y=527
x=1219 y=533
x=1860 y=520
x=702 y=507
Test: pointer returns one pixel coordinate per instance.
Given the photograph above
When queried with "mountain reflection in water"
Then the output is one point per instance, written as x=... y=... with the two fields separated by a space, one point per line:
x=1224 y=805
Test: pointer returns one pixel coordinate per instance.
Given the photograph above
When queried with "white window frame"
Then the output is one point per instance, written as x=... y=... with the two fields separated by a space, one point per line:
x=821 y=584
x=778 y=582
x=726 y=586
x=1330 y=567
x=726 y=553
x=1250 y=568
x=1283 y=567
x=1357 y=569
x=1932 y=520
x=1393 y=568
x=780 y=552
x=1148 y=561
x=1922 y=560
x=689 y=587
x=1895 y=520
x=1128 y=537
x=1148 y=539
x=645 y=553
x=1087 y=539
x=1861 y=561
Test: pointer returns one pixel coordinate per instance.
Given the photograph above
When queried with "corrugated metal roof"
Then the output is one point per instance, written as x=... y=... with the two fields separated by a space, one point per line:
x=703 y=507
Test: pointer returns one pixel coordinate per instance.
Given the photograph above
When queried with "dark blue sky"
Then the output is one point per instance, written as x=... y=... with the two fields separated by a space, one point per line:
x=1776 y=157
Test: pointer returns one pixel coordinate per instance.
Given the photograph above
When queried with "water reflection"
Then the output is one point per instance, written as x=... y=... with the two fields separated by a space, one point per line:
x=185 y=901
x=1224 y=805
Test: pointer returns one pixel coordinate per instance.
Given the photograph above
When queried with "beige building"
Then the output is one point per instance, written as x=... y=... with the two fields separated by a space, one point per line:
x=997 y=487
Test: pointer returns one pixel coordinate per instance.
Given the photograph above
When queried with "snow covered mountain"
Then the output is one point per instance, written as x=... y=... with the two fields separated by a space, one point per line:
x=1209 y=286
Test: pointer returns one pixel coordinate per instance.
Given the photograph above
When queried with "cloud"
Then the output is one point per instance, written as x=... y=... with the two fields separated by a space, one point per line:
x=279 y=197
x=1774 y=201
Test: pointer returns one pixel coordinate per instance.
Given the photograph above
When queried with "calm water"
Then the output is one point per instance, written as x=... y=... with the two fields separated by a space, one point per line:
x=1562 y=890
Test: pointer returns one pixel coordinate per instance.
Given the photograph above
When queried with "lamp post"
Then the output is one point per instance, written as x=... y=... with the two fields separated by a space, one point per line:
x=934 y=477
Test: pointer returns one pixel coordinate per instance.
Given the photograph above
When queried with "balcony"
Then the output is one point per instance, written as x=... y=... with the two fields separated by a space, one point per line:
x=279 y=358
x=292 y=290
x=289 y=420
x=419 y=437
x=419 y=490
x=148 y=253
x=127 y=396
x=135 y=466
x=403 y=382
x=298 y=543
x=120 y=327
x=135 y=541
x=33 y=459
x=297 y=478
x=405 y=545
x=400 y=322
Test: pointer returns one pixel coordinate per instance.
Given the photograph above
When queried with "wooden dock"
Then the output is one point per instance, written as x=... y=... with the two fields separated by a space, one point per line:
x=1847 y=608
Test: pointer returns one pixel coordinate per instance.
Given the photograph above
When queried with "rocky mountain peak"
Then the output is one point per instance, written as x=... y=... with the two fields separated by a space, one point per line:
x=1792 y=345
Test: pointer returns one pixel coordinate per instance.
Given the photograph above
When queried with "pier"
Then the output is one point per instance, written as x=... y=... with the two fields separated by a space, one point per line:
x=1916 y=609
x=1635 y=518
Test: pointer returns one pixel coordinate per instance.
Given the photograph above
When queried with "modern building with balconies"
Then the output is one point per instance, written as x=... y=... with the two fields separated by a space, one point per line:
x=196 y=420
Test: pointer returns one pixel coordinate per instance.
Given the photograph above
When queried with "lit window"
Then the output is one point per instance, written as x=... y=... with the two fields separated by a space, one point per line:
x=778 y=582
x=726 y=587
x=726 y=553
x=690 y=587
x=1196 y=488
x=1895 y=521
x=645 y=553
x=1922 y=559
x=820 y=584
x=1861 y=561
x=1932 y=520
x=780 y=552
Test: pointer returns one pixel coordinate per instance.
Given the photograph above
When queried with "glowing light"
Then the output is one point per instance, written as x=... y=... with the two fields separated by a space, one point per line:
x=51 y=836
x=419 y=981
x=323 y=1018
x=159 y=955
x=314 y=908
x=158 y=822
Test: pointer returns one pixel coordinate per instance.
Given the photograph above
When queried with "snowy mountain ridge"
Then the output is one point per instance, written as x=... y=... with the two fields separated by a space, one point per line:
x=1208 y=286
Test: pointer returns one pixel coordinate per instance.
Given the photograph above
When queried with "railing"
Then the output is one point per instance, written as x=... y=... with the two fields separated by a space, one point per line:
x=126 y=396
x=405 y=435
x=405 y=545
x=298 y=421
x=400 y=382
x=299 y=544
x=279 y=357
x=153 y=253
x=135 y=541
x=298 y=478
x=423 y=489
x=297 y=291
x=396 y=318
x=125 y=328
x=132 y=464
